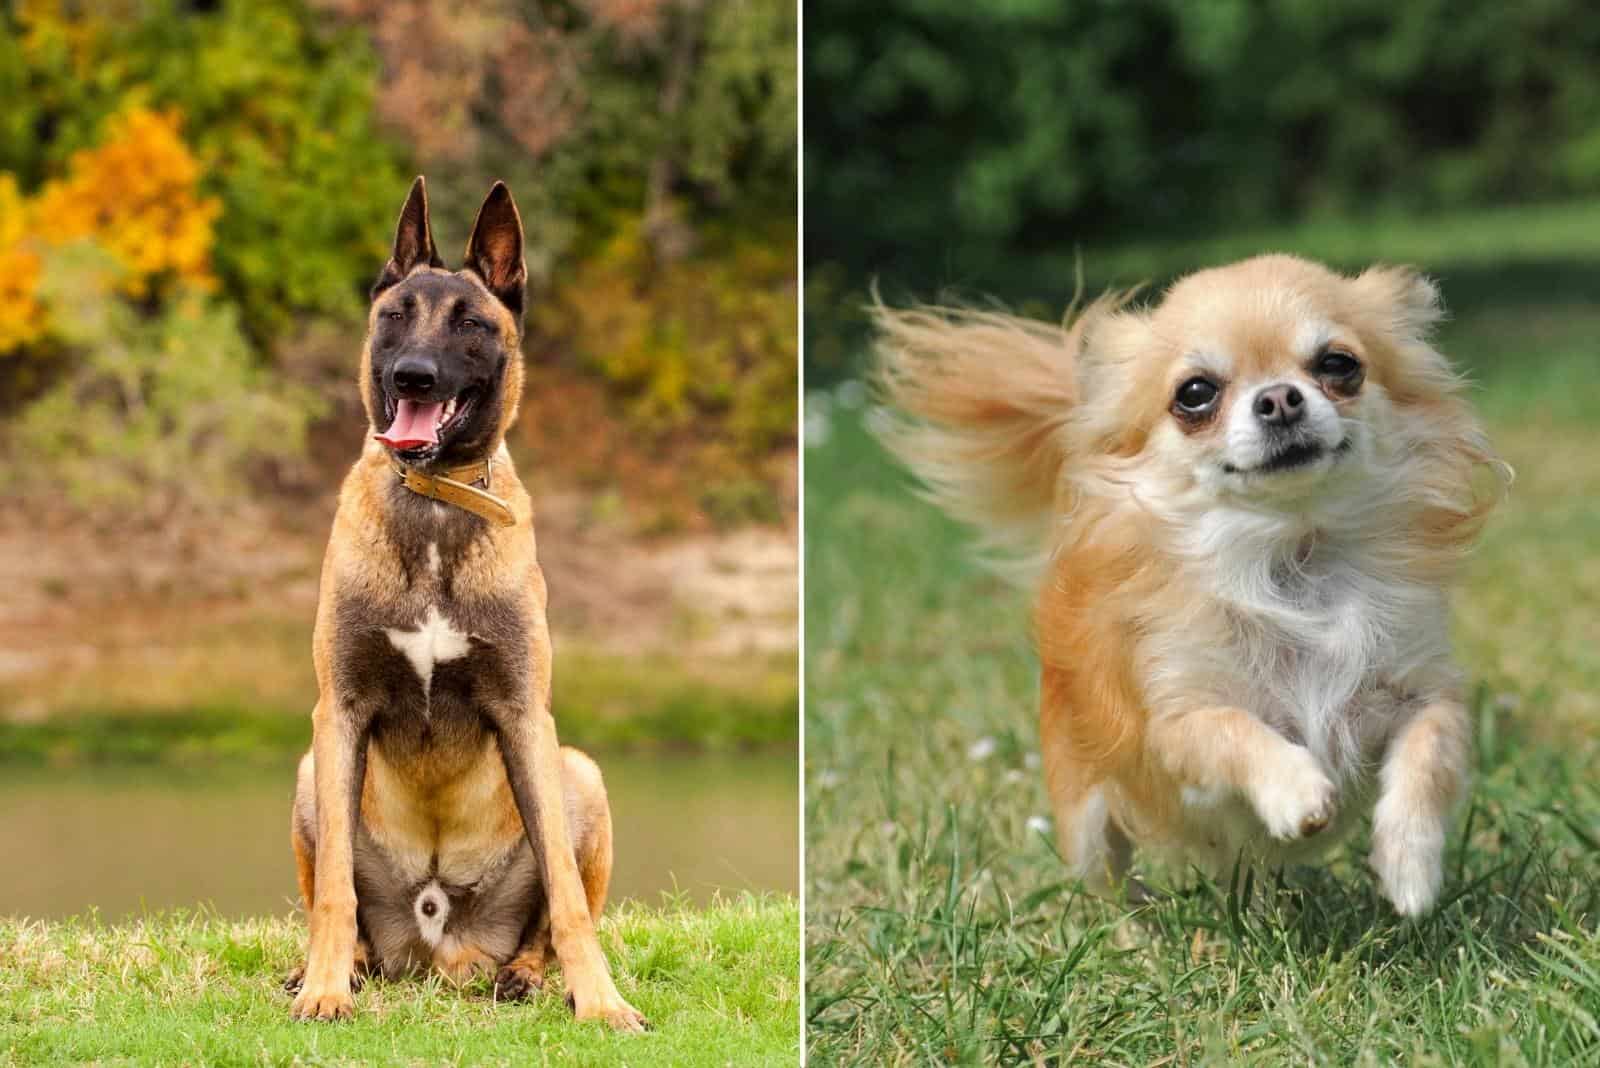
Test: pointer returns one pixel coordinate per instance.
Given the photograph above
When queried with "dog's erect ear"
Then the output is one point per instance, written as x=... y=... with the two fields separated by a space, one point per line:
x=413 y=240
x=1120 y=395
x=1403 y=297
x=1406 y=306
x=494 y=251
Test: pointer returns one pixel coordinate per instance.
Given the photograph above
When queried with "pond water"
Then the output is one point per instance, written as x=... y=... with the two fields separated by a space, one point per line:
x=128 y=840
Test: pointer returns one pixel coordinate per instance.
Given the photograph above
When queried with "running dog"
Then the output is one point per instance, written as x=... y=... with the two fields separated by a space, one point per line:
x=1240 y=509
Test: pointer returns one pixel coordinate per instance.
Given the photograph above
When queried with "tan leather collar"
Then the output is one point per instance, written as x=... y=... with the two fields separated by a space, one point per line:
x=455 y=486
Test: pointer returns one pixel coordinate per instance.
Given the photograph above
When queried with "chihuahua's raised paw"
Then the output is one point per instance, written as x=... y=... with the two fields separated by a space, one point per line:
x=1295 y=799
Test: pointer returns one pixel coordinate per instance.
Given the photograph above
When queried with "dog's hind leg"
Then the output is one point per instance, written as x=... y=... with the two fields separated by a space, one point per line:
x=1093 y=847
x=523 y=975
x=1091 y=844
x=303 y=831
x=589 y=830
x=303 y=837
x=588 y=825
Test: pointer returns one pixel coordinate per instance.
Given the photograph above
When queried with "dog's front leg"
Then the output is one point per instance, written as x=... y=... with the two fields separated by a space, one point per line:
x=1424 y=777
x=1224 y=748
x=533 y=766
x=338 y=743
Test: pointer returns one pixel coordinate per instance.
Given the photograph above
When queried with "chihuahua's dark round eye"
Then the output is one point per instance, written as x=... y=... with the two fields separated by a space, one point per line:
x=394 y=316
x=1197 y=396
x=1336 y=363
x=1340 y=372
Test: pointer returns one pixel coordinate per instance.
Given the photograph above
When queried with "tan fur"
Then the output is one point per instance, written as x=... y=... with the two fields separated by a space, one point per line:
x=983 y=399
x=527 y=968
x=463 y=962
x=1060 y=444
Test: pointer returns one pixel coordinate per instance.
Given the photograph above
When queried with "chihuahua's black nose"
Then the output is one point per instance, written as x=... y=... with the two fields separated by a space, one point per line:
x=414 y=374
x=1281 y=405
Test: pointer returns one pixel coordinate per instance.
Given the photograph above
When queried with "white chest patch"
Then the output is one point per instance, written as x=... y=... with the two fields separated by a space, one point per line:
x=433 y=559
x=434 y=641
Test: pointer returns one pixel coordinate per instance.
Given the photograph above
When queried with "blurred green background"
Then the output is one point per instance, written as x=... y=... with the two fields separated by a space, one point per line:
x=195 y=196
x=981 y=148
x=1003 y=152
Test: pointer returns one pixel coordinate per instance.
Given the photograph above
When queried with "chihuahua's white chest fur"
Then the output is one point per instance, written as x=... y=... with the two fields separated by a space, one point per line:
x=1316 y=635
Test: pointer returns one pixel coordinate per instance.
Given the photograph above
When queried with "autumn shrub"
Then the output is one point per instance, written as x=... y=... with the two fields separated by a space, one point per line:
x=134 y=195
x=159 y=413
x=278 y=109
x=154 y=398
x=22 y=316
x=706 y=342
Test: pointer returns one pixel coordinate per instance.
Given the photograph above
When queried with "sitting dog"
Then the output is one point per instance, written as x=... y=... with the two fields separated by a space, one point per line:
x=437 y=822
x=1240 y=510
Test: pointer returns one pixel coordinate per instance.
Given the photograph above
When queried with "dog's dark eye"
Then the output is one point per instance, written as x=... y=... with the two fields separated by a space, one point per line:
x=1337 y=364
x=470 y=324
x=1341 y=373
x=1197 y=396
x=394 y=316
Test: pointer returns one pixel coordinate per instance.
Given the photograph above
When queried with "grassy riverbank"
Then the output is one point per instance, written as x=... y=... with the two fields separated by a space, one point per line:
x=603 y=702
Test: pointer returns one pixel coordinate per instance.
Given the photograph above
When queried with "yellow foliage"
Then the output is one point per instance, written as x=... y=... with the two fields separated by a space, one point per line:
x=135 y=195
x=22 y=317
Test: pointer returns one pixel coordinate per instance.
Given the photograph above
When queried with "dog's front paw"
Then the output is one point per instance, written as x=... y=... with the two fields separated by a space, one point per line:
x=322 y=1004
x=1408 y=857
x=617 y=1014
x=297 y=978
x=1294 y=797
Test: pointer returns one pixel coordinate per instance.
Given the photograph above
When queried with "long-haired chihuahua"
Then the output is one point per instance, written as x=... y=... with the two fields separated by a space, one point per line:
x=1241 y=508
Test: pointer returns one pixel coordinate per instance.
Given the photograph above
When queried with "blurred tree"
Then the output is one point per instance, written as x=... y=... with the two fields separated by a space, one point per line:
x=135 y=196
x=950 y=142
x=610 y=108
x=651 y=144
x=153 y=399
x=163 y=414
x=278 y=109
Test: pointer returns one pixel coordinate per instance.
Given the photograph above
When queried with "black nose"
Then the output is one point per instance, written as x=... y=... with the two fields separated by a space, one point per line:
x=415 y=374
x=1280 y=405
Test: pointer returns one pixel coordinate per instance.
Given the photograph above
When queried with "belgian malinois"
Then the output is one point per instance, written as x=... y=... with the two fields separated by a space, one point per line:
x=437 y=822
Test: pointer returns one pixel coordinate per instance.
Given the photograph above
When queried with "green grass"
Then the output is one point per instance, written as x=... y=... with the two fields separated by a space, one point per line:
x=720 y=987
x=939 y=924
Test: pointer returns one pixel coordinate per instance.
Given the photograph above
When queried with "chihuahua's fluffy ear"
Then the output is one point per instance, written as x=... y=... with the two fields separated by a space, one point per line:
x=1403 y=296
x=1405 y=306
x=979 y=399
x=1446 y=438
x=1120 y=401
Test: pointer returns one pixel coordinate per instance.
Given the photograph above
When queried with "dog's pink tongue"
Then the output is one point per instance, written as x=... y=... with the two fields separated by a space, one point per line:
x=414 y=424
